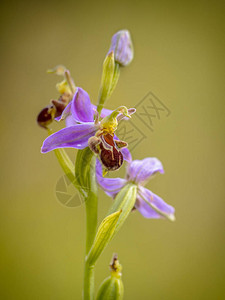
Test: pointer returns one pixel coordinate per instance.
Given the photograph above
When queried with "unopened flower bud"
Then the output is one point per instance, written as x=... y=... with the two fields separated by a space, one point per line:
x=46 y=115
x=122 y=46
x=112 y=287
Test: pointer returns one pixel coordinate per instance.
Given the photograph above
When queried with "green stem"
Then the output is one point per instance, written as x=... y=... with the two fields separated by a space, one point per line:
x=85 y=173
x=88 y=292
x=91 y=204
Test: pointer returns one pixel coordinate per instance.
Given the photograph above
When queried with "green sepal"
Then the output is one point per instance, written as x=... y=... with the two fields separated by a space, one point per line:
x=85 y=170
x=115 y=79
x=125 y=201
x=111 y=289
x=106 y=81
x=103 y=237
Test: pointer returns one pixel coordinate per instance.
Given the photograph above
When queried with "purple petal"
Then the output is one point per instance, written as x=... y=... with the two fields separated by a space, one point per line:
x=111 y=186
x=58 y=118
x=126 y=155
x=65 y=113
x=162 y=209
x=104 y=113
x=74 y=136
x=70 y=121
x=81 y=107
x=140 y=170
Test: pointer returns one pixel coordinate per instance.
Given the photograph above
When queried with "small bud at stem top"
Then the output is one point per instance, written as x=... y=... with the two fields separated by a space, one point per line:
x=122 y=46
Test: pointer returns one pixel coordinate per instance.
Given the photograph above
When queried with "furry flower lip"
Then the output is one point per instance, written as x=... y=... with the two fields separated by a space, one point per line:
x=139 y=172
x=83 y=124
x=108 y=150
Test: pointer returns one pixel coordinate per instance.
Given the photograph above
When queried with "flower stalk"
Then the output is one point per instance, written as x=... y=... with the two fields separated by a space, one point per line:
x=85 y=175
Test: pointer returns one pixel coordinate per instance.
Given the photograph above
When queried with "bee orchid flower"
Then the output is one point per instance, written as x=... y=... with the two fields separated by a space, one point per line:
x=84 y=125
x=139 y=172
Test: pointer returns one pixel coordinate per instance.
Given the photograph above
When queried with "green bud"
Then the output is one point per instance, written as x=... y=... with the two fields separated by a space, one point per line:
x=103 y=237
x=125 y=201
x=112 y=287
x=106 y=81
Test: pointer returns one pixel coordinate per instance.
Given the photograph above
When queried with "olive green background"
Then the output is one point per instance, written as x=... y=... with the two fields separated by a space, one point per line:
x=179 y=56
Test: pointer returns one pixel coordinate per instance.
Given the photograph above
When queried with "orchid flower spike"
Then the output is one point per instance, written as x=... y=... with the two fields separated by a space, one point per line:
x=139 y=172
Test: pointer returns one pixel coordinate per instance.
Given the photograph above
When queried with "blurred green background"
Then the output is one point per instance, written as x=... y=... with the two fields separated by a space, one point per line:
x=179 y=56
